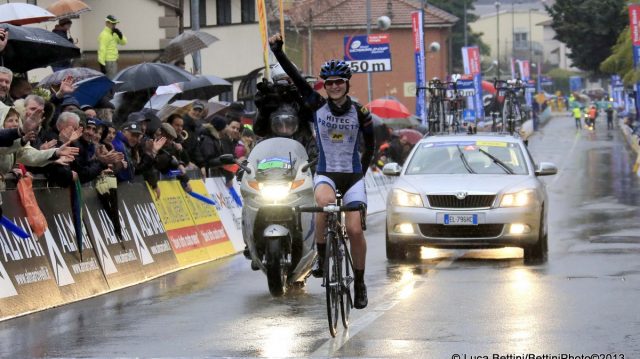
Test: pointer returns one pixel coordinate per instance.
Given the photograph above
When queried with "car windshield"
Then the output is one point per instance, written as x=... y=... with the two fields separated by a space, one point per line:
x=467 y=157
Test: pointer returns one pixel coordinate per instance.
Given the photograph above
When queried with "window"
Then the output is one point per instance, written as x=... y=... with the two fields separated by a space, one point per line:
x=226 y=96
x=223 y=10
x=248 y=9
x=202 y=8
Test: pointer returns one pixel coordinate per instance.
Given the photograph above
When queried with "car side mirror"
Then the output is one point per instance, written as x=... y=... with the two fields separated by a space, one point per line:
x=546 y=169
x=392 y=169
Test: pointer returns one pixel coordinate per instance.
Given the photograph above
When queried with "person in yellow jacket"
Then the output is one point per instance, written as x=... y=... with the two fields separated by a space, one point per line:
x=577 y=115
x=108 y=42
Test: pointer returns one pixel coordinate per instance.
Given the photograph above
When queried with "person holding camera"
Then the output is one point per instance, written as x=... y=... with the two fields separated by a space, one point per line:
x=108 y=42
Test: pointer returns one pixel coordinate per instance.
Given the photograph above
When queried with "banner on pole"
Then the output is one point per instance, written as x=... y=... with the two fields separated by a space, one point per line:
x=418 y=41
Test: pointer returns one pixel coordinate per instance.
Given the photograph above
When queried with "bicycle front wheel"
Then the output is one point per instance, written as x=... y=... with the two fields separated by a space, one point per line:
x=332 y=282
x=346 y=299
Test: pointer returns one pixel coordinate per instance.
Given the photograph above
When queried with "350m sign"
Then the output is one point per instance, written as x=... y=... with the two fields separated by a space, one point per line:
x=362 y=66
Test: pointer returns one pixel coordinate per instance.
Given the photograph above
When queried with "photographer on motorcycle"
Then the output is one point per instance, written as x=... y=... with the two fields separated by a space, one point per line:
x=279 y=101
x=338 y=122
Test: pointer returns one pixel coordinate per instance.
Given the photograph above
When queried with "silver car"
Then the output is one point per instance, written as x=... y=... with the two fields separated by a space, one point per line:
x=468 y=191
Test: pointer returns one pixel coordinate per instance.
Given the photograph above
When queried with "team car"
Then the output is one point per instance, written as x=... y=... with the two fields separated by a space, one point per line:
x=468 y=192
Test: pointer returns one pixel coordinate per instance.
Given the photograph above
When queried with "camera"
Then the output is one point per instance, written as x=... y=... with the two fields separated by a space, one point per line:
x=434 y=46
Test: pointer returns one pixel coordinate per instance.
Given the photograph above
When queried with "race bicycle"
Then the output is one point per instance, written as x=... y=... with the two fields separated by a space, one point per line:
x=338 y=265
x=511 y=110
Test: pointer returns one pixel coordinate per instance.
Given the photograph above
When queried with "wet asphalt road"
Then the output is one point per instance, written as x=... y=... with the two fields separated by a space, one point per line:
x=585 y=300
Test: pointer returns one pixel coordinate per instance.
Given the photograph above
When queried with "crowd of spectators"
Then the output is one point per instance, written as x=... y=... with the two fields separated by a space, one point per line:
x=64 y=140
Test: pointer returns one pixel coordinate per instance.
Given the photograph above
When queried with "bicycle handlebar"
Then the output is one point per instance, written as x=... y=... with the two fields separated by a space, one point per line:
x=332 y=208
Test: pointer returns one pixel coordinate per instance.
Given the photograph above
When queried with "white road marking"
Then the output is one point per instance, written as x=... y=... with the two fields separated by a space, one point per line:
x=332 y=345
x=567 y=157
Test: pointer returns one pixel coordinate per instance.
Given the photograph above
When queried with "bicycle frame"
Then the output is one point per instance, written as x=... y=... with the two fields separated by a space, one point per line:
x=338 y=263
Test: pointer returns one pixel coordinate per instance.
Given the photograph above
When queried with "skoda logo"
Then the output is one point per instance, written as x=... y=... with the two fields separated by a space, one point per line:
x=461 y=195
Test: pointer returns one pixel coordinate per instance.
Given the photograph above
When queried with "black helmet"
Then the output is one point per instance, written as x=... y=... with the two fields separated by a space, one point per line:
x=335 y=68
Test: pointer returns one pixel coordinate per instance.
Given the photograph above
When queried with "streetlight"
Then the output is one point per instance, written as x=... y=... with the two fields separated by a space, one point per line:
x=497 y=4
x=513 y=31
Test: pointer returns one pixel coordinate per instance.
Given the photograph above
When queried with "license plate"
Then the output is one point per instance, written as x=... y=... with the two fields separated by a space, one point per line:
x=461 y=219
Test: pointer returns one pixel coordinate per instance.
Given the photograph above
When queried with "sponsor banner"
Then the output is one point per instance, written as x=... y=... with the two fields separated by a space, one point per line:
x=207 y=223
x=144 y=251
x=575 y=83
x=634 y=27
x=229 y=210
x=368 y=53
x=76 y=277
x=363 y=47
x=191 y=227
x=27 y=281
x=471 y=60
x=417 y=26
x=471 y=63
x=634 y=23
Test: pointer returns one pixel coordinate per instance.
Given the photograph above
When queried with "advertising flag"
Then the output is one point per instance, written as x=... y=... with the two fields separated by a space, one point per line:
x=634 y=26
x=264 y=35
x=418 y=47
x=471 y=63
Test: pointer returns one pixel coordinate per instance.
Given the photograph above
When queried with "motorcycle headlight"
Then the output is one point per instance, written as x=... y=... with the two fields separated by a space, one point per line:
x=274 y=191
x=405 y=199
x=518 y=199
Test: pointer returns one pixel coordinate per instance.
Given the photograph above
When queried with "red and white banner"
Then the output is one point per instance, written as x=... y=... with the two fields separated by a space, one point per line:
x=471 y=60
x=634 y=23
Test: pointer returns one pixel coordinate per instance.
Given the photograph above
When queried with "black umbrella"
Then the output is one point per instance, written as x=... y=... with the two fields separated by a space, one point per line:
x=203 y=88
x=148 y=75
x=29 y=48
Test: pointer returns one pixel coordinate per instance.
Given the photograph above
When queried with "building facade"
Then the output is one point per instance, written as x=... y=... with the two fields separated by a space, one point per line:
x=327 y=23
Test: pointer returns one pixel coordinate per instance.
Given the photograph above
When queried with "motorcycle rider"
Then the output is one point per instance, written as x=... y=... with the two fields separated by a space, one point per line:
x=338 y=123
x=281 y=98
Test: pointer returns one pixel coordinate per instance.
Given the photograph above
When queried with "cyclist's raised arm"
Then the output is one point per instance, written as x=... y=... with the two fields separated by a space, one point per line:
x=312 y=98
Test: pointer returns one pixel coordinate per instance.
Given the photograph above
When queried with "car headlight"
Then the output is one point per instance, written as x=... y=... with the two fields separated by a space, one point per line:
x=405 y=199
x=274 y=191
x=518 y=199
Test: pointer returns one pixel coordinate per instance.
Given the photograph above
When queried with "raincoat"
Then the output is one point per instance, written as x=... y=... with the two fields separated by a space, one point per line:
x=108 y=43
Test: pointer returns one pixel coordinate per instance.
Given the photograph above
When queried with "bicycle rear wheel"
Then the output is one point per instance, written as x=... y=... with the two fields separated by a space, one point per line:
x=332 y=283
x=346 y=298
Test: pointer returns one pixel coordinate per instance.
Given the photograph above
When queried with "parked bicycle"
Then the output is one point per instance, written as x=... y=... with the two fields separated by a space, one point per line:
x=338 y=266
x=511 y=108
x=436 y=110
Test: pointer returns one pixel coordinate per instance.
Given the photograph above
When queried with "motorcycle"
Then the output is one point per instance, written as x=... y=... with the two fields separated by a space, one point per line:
x=278 y=244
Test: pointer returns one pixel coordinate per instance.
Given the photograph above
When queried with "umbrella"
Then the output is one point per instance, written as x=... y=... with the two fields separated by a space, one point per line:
x=78 y=74
x=23 y=14
x=30 y=48
x=147 y=75
x=179 y=106
x=216 y=108
x=67 y=8
x=158 y=101
x=186 y=43
x=388 y=108
x=203 y=87
x=413 y=136
x=91 y=90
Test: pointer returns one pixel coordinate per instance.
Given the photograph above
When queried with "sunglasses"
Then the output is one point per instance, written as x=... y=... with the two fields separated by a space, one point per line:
x=338 y=82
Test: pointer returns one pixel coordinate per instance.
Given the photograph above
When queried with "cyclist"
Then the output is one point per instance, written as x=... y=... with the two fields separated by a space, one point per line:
x=577 y=115
x=338 y=123
x=593 y=114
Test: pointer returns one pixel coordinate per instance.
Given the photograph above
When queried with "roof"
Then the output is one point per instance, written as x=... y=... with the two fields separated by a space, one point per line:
x=349 y=13
x=481 y=136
